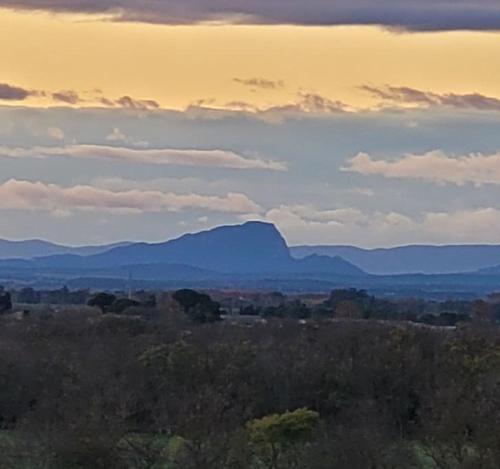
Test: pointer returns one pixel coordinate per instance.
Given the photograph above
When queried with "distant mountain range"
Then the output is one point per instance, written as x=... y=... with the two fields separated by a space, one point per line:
x=254 y=255
x=253 y=248
x=411 y=259
x=37 y=248
x=490 y=271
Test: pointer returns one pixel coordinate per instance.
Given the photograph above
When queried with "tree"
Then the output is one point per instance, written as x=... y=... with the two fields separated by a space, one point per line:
x=276 y=437
x=481 y=311
x=199 y=307
x=29 y=296
x=348 y=309
x=5 y=302
x=103 y=301
x=121 y=304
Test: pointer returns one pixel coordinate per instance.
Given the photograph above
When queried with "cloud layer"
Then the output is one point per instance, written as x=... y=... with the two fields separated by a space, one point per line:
x=166 y=156
x=434 y=166
x=10 y=92
x=350 y=225
x=405 y=95
x=407 y=14
x=26 y=195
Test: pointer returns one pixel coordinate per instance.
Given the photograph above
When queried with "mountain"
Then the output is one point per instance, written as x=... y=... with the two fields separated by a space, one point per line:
x=495 y=270
x=251 y=247
x=324 y=265
x=411 y=259
x=36 y=248
x=254 y=249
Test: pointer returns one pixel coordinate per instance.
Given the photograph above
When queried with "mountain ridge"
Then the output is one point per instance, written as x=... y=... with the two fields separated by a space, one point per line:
x=411 y=259
x=256 y=248
x=31 y=248
x=237 y=249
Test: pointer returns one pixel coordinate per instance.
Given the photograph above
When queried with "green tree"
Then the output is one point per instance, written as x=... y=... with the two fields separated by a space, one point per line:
x=277 y=438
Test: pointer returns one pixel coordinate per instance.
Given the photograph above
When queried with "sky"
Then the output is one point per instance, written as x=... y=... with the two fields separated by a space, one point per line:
x=372 y=123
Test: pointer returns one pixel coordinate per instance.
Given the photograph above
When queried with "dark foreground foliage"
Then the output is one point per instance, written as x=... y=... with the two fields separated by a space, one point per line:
x=105 y=391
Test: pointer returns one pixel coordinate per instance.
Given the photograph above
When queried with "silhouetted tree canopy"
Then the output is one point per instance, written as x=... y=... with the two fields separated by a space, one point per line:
x=103 y=301
x=5 y=302
x=199 y=307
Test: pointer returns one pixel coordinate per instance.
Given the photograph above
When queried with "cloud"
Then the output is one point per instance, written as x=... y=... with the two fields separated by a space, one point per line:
x=138 y=104
x=434 y=166
x=73 y=98
x=310 y=214
x=55 y=133
x=26 y=195
x=305 y=103
x=125 y=102
x=412 y=96
x=261 y=83
x=17 y=93
x=13 y=93
x=165 y=156
x=311 y=103
x=68 y=97
x=118 y=136
x=421 y=15
x=350 y=226
x=365 y=191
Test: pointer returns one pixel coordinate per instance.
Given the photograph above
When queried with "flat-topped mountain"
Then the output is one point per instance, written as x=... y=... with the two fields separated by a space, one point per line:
x=251 y=247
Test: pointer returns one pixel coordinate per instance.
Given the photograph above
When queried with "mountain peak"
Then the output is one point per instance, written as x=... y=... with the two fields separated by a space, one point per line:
x=248 y=247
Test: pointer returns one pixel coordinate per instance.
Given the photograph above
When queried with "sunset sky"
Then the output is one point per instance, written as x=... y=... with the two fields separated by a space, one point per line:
x=374 y=123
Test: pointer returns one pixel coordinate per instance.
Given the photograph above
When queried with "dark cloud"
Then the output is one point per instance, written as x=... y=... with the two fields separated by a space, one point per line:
x=16 y=93
x=405 y=95
x=401 y=94
x=313 y=102
x=68 y=97
x=13 y=93
x=423 y=15
x=128 y=102
x=262 y=83
x=473 y=100
x=138 y=104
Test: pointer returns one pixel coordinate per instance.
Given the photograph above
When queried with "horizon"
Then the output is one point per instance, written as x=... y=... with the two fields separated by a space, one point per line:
x=291 y=246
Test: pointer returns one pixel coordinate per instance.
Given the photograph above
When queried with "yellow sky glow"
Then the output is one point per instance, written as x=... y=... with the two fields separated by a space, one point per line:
x=178 y=65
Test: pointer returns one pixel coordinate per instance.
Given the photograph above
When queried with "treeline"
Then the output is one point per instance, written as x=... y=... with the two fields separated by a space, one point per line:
x=358 y=304
x=92 y=390
x=341 y=304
